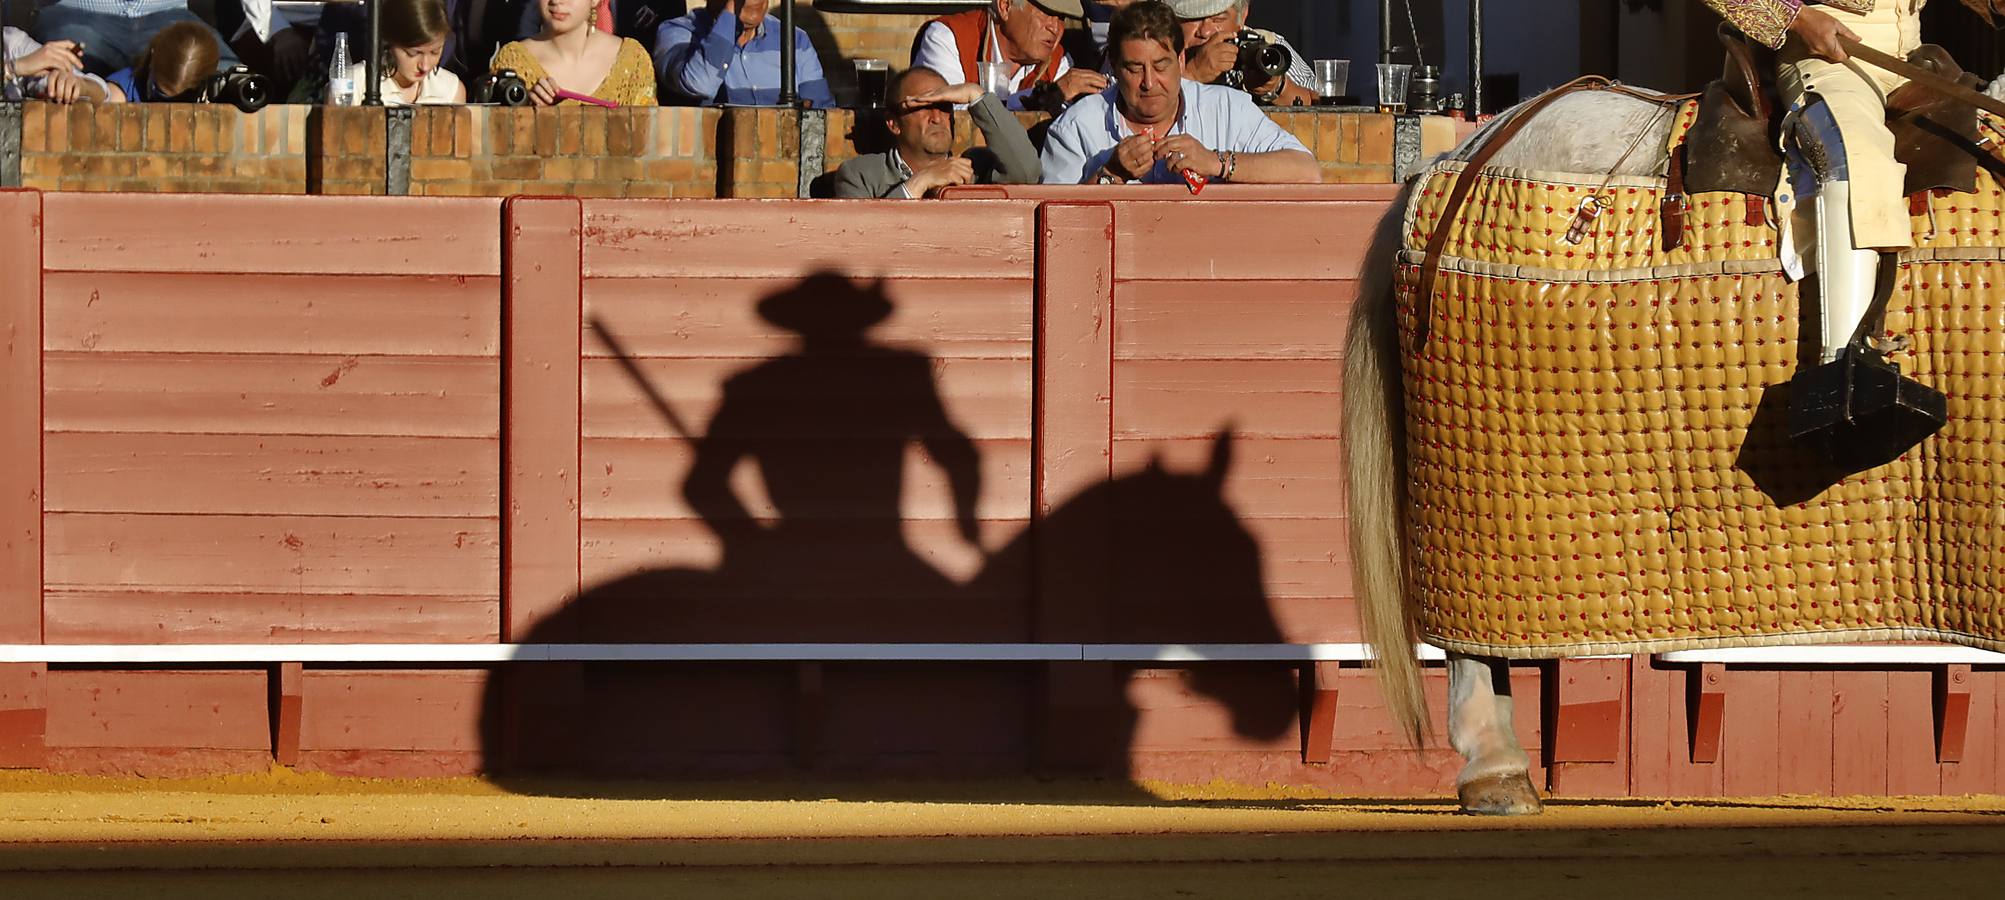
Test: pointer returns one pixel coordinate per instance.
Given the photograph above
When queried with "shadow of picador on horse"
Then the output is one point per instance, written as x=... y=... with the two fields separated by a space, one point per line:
x=800 y=480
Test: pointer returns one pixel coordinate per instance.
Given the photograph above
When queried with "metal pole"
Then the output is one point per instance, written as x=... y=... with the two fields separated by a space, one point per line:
x=372 y=92
x=787 y=97
x=1475 y=59
x=1385 y=31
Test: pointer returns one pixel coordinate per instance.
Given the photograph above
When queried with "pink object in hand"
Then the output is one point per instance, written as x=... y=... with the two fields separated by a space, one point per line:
x=585 y=98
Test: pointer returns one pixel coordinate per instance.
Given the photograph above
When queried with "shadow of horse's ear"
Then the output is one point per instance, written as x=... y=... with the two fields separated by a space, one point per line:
x=1221 y=457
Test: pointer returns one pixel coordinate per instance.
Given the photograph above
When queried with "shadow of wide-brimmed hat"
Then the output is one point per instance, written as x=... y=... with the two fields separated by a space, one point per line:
x=826 y=304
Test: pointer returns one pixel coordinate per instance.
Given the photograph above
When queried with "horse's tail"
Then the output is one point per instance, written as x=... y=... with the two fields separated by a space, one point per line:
x=1375 y=457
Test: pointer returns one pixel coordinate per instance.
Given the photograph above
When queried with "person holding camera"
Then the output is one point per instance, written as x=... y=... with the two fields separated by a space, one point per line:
x=1159 y=127
x=920 y=116
x=52 y=72
x=1220 y=49
x=173 y=68
x=1022 y=36
x=414 y=41
x=573 y=57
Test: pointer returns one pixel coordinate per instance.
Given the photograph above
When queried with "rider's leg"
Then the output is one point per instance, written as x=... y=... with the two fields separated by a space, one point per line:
x=1495 y=779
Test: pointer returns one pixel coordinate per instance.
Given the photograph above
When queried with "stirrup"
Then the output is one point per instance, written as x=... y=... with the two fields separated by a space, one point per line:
x=1860 y=411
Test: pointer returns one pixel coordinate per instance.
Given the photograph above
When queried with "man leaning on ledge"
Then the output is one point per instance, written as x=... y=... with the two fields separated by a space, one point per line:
x=1154 y=125
x=920 y=116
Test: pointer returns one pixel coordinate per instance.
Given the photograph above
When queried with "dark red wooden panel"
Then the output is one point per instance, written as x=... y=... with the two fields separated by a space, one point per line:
x=391 y=709
x=1251 y=241
x=1300 y=557
x=1859 y=732
x=1753 y=753
x=1216 y=707
x=642 y=478
x=719 y=317
x=736 y=239
x=1232 y=320
x=273 y=474
x=287 y=679
x=542 y=309
x=202 y=312
x=272 y=554
x=21 y=416
x=1274 y=478
x=1984 y=746
x=880 y=720
x=1267 y=398
x=159 y=709
x=1806 y=717
x=1074 y=416
x=265 y=394
x=986 y=399
x=256 y=233
x=24 y=706
x=147 y=617
x=1912 y=769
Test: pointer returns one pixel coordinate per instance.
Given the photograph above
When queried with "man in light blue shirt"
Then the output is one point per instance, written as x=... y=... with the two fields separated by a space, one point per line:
x=729 y=52
x=1154 y=126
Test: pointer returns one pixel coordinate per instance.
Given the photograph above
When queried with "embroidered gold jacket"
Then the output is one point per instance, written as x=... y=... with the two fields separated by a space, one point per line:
x=1768 y=21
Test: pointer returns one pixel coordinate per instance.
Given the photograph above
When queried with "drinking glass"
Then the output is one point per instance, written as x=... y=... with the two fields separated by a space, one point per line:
x=1393 y=79
x=870 y=78
x=1333 y=80
x=993 y=77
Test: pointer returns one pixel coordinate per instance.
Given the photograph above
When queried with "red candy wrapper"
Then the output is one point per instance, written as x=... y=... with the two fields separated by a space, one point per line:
x=1195 y=181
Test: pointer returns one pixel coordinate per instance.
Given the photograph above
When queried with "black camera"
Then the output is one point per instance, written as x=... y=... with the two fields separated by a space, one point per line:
x=503 y=88
x=1259 y=61
x=238 y=86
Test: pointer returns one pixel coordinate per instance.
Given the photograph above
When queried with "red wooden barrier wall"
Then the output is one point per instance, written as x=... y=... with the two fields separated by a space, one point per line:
x=288 y=420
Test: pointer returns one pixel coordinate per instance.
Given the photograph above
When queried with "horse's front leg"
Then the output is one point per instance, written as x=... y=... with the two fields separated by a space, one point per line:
x=1496 y=781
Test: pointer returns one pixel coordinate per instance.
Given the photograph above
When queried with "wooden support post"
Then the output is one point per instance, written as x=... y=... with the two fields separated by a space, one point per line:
x=808 y=714
x=1074 y=452
x=1706 y=704
x=21 y=417
x=1589 y=703
x=24 y=715
x=286 y=709
x=1319 y=734
x=543 y=325
x=1952 y=712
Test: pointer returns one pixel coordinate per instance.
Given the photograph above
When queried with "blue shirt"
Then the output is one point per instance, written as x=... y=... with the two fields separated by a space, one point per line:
x=1219 y=117
x=698 y=60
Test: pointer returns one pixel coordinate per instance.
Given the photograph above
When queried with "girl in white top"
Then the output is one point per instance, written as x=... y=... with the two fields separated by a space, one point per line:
x=414 y=37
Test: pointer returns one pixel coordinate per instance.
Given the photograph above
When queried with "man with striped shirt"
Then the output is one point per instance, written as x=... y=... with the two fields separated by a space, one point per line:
x=113 y=33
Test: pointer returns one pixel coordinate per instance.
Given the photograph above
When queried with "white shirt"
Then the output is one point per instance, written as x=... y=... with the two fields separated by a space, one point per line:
x=937 y=51
x=1221 y=118
x=439 y=87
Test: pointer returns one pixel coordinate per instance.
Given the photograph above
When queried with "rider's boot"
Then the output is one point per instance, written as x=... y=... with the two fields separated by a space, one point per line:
x=1855 y=404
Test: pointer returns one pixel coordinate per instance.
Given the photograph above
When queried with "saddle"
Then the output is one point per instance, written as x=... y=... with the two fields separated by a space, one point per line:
x=1733 y=144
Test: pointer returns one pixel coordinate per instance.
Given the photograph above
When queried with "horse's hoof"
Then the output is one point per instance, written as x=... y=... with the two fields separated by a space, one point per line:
x=1501 y=795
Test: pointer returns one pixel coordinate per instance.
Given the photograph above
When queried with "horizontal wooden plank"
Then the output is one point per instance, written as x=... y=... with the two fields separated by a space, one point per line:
x=158 y=709
x=163 y=312
x=816 y=559
x=1235 y=320
x=1215 y=708
x=888 y=397
x=1267 y=478
x=141 y=617
x=317 y=475
x=1205 y=563
x=643 y=478
x=793 y=238
x=272 y=554
x=265 y=394
x=720 y=318
x=389 y=709
x=1267 y=398
x=271 y=233
x=1252 y=241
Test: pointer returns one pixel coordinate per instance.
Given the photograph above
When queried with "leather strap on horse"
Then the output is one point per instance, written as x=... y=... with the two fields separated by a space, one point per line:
x=1430 y=262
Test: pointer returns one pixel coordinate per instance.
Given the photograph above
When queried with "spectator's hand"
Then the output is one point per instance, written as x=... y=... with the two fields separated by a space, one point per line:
x=1133 y=157
x=545 y=92
x=1819 y=32
x=64 y=87
x=1207 y=62
x=957 y=93
x=290 y=52
x=938 y=174
x=1080 y=82
x=752 y=12
x=1183 y=152
x=55 y=56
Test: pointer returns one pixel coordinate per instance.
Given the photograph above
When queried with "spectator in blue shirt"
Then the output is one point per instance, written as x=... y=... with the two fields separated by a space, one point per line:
x=113 y=33
x=729 y=52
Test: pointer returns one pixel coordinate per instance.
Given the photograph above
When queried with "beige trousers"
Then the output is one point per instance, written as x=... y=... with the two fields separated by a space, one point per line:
x=1856 y=94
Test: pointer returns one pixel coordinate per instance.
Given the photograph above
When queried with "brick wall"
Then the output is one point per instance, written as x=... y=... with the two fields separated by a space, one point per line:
x=494 y=152
x=841 y=38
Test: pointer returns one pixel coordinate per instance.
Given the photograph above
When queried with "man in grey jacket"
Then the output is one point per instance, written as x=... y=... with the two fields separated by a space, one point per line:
x=921 y=121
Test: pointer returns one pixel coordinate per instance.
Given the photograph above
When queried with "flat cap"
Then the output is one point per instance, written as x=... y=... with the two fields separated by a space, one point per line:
x=1198 y=9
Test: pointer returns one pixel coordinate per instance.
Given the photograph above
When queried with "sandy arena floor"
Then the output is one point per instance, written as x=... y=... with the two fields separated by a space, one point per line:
x=308 y=837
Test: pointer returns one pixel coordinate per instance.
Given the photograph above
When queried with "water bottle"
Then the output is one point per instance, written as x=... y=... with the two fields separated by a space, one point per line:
x=340 y=77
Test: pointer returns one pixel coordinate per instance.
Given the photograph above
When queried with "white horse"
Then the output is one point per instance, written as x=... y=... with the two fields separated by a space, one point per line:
x=1587 y=131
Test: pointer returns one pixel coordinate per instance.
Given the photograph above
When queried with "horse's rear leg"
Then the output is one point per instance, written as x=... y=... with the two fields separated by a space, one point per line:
x=1496 y=781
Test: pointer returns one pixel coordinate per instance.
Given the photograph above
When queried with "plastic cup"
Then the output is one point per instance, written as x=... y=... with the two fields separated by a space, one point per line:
x=993 y=77
x=871 y=75
x=1393 y=80
x=1333 y=79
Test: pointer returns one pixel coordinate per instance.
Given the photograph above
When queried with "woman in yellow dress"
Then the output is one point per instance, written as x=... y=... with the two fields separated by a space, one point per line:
x=573 y=54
